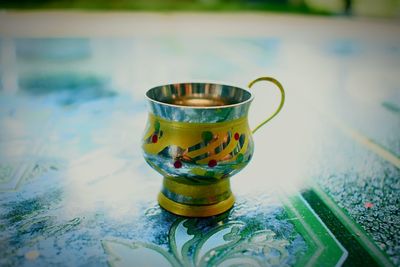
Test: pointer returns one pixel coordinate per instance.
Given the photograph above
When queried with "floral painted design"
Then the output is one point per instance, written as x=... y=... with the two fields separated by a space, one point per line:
x=224 y=245
x=206 y=153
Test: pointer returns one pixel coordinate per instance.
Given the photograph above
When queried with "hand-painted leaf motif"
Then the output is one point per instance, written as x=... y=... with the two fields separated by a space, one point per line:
x=189 y=245
x=137 y=254
x=217 y=239
x=242 y=261
x=179 y=236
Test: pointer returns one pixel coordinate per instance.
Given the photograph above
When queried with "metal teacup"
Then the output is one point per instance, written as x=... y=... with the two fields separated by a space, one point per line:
x=197 y=136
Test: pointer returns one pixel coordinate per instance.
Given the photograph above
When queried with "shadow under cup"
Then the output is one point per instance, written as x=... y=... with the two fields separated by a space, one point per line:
x=197 y=136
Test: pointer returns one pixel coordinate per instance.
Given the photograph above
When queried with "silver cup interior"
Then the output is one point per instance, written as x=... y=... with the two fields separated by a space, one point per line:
x=199 y=94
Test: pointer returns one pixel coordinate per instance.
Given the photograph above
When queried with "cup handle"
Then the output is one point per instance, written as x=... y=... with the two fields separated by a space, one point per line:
x=280 y=87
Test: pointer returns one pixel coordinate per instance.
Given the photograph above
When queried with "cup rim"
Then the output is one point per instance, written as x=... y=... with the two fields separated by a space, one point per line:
x=200 y=107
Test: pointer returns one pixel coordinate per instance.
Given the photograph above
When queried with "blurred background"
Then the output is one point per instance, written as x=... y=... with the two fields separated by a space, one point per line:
x=382 y=8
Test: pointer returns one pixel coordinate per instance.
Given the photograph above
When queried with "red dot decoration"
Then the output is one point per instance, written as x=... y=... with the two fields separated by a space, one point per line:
x=212 y=163
x=368 y=205
x=236 y=136
x=154 y=138
x=177 y=164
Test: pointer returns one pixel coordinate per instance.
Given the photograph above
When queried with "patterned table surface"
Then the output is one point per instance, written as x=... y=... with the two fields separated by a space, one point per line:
x=323 y=187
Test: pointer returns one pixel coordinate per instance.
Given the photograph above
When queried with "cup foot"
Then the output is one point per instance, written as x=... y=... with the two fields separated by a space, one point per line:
x=195 y=199
x=195 y=210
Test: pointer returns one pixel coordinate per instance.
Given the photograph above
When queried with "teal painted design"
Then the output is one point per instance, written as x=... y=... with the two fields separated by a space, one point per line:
x=156 y=126
x=191 y=171
x=239 y=158
x=221 y=246
x=225 y=245
x=11 y=177
x=207 y=136
x=268 y=236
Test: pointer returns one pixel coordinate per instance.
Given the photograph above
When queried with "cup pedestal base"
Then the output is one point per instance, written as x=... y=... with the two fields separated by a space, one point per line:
x=195 y=200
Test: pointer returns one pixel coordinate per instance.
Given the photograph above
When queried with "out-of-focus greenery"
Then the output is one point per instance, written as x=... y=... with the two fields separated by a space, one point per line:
x=377 y=8
x=292 y=6
x=383 y=8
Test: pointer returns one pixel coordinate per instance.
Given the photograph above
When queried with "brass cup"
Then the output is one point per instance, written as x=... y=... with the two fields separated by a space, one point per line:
x=197 y=136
